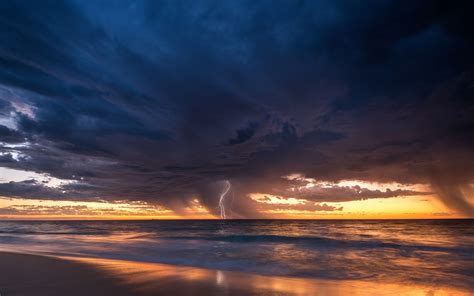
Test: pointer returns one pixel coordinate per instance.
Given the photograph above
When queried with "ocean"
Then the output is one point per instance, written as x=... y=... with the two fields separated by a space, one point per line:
x=424 y=252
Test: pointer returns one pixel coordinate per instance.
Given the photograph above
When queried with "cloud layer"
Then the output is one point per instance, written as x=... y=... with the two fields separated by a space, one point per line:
x=160 y=101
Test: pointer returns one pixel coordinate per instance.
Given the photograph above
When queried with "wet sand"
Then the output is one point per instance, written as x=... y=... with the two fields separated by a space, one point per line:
x=22 y=274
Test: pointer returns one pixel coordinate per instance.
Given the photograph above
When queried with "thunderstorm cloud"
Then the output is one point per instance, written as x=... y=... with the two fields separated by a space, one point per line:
x=160 y=101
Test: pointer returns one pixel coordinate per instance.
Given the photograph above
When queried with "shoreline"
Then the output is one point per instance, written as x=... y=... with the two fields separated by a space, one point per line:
x=26 y=274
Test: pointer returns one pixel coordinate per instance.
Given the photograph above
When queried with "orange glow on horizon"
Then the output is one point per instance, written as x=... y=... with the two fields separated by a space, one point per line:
x=414 y=207
x=423 y=206
x=22 y=209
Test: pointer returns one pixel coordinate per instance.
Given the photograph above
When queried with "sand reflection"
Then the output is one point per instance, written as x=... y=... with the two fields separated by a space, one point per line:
x=161 y=279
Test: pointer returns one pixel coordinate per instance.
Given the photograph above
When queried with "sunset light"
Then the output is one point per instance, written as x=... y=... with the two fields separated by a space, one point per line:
x=203 y=147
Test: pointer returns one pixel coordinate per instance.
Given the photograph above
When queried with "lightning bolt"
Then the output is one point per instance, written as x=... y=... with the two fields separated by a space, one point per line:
x=221 y=199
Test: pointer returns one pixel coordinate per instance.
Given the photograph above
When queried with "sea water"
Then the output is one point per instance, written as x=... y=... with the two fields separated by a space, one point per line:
x=428 y=252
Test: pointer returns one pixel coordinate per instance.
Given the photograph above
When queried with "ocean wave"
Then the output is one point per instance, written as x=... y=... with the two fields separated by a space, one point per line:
x=22 y=232
x=318 y=241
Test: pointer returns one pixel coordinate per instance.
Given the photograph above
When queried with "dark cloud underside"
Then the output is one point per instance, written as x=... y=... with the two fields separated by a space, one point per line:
x=160 y=100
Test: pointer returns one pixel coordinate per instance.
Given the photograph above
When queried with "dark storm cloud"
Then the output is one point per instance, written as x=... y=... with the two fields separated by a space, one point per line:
x=8 y=135
x=160 y=100
x=342 y=193
x=32 y=189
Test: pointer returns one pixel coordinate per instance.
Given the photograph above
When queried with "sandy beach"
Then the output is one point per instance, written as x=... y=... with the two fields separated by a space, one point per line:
x=24 y=274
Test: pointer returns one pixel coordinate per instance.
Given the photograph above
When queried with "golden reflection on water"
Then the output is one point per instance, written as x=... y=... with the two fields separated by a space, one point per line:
x=161 y=279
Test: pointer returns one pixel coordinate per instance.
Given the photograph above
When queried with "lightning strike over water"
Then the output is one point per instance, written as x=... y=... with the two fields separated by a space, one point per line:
x=222 y=197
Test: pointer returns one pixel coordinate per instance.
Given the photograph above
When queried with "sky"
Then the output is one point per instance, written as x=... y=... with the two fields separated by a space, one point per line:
x=306 y=109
